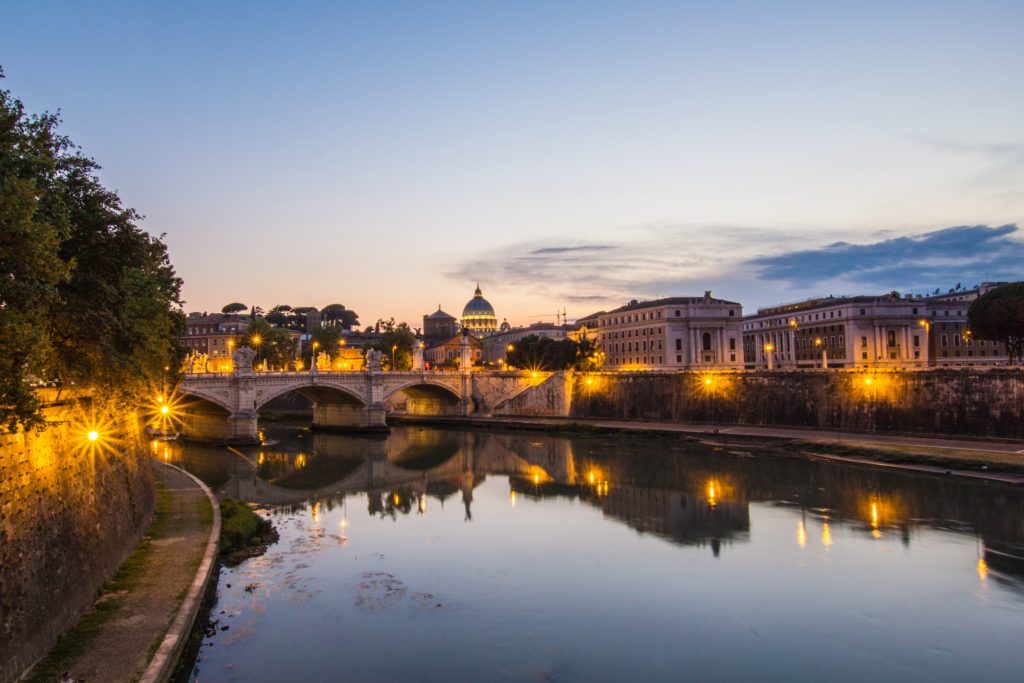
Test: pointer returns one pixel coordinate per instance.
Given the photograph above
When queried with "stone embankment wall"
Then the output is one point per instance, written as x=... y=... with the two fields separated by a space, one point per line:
x=949 y=402
x=551 y=396
x=70 y=514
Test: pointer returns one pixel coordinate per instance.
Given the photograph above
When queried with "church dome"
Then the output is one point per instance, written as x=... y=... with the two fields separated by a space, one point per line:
x=478 y=315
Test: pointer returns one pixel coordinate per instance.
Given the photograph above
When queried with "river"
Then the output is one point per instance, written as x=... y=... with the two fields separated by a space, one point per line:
x=439 y=554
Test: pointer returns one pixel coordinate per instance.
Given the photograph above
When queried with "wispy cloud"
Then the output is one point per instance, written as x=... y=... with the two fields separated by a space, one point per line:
x=755 y=265
x=564 y=250
x=912 y=261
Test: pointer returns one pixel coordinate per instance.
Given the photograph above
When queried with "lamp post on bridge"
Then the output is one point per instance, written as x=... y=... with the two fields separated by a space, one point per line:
x=818 y=342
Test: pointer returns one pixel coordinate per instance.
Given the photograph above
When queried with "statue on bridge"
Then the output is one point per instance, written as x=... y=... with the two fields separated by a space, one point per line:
x=373 y=357
x=243 y=359
x=195 y=363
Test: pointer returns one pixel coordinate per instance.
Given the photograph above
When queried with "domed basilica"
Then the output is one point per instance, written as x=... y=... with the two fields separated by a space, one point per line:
x=478 y=315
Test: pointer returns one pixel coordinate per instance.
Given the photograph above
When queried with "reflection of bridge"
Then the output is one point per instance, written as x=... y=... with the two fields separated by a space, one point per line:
x=393 y=463
x=224 y=407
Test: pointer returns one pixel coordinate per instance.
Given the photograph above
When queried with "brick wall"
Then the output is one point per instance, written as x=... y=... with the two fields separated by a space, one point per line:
x=69 y=516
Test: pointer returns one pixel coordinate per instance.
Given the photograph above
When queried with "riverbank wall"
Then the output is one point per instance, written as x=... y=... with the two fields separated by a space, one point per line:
x=967 y=403
x=71 y=511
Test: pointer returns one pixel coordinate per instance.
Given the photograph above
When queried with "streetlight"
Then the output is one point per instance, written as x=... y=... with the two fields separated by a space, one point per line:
x=256 y=340
x=312 y=357
x=393 y=348
x=794 y=326
x=818 y=343
x=768 y=348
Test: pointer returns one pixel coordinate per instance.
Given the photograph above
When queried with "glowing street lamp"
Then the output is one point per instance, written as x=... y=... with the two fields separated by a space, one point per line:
x=768 y=348
x=93 y=435
x=394 y=347
x=256 y=340
x=820 y=344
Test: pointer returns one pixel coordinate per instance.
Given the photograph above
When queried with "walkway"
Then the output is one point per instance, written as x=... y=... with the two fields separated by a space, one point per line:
x=146 y=594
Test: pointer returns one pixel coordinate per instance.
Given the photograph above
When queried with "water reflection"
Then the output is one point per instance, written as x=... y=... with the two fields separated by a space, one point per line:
x=607 y=558
x=684 y=493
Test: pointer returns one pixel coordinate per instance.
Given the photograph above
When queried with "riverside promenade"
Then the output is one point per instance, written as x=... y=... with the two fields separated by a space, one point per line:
x=139 y=624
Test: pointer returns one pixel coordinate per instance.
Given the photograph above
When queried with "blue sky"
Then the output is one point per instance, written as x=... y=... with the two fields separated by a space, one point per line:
x=573 y=154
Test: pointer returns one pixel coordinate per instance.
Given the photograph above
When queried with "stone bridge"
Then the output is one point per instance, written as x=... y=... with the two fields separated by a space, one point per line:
x=224 y=407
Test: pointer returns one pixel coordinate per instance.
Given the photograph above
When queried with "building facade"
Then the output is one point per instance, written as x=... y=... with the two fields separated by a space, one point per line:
x=950 y=342
x=450 y=351
x=677 y=333
x=215 y=335
x=440 y=325
x=838 y=332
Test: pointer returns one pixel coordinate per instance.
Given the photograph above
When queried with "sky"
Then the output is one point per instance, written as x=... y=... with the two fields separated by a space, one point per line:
x=567 y=155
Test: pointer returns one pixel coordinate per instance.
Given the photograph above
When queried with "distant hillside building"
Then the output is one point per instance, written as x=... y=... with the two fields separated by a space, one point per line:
x=677 y=333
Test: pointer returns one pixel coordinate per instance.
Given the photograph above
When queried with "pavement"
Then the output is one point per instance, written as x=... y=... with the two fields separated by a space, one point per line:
x=154 y=614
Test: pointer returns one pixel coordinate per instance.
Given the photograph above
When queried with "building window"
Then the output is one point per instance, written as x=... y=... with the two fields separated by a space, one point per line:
x=892 y=338
x=679 y=358
x=677 y=314
x=732 y=357
x=732 y=343
x=864 y=355
x=944 y=340
x=679 y=344
x=863 y=311
x=732 y=313
x=917 y=341
x=707 y=341
x=864 y=343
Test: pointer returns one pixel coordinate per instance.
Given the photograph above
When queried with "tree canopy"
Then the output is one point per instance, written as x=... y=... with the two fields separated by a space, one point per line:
x=231 y=309
x=548 y=355
x=396 y=338
x=336 y=314
x=272 y=344
x=998 y=315
x=87 y=298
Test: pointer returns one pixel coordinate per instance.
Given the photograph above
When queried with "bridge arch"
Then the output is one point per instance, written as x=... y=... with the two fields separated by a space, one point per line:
x=423 y=397
x=319 y=392
x=200 y=399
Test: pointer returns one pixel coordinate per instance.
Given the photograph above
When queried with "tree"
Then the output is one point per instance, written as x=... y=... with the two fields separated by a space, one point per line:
x=588 y=355
x=30 y=233
x=396 y=339
x=998 y=315
x=543 y=353
x=86 y=296
x=233 y=308
x=336 y=314
x=274 y=345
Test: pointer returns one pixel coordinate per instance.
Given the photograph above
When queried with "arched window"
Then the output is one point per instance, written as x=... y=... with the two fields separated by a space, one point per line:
x=707 y=341
x=892 y=338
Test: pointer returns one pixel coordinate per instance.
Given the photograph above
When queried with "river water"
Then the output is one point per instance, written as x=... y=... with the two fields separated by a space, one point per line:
x=474 y=556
